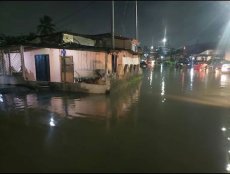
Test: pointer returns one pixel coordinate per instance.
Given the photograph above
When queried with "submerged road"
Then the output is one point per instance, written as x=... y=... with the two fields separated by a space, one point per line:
x=173 y=120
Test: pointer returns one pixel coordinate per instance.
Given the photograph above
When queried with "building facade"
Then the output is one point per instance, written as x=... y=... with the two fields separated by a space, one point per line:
x=72 y=58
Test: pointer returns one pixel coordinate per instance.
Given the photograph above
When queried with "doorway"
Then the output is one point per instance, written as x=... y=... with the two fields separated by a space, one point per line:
x=42 y=66
x=67 y=69
x=114 y=63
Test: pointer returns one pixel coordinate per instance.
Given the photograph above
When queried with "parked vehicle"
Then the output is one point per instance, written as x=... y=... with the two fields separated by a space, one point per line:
x=219 y=65
x=143 y=64
x=214 y=64
x=150 y=62
x=225 y=66
x=183 y=62
x=200 y=65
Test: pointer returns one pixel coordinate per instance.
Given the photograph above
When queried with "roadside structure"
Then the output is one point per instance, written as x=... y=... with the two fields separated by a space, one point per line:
x=71 y=62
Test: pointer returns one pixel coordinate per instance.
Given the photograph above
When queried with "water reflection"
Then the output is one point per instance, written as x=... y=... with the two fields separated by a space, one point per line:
x=52 y=122
x=182 y=80
x=226 y=134
x=223 y=129
x=99 y=107
x=161 y=68
x=134 y=129
x=163 y=90
x=1 y=98
x=151 y=78
x=191 y=78
x=224 y=80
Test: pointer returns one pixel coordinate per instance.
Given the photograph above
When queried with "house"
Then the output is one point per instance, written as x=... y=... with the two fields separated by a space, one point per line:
x=72 y=62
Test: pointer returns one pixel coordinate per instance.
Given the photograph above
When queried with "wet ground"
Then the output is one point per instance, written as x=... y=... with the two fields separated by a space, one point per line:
x=171 y=121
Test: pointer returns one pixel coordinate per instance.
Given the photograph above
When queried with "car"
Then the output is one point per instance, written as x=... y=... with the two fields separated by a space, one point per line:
x=200 y=65
x=219 y=65
x=150 y=62
x=214 y=64
x=143 y=64
x=183 y=62
x=225 y=66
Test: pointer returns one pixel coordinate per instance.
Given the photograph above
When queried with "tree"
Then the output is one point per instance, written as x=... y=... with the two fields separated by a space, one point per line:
x=31 y=36
x=2 y=39
x=46 y=26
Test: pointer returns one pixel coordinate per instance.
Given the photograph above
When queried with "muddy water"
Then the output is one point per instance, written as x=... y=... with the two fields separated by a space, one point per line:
x=171 y=121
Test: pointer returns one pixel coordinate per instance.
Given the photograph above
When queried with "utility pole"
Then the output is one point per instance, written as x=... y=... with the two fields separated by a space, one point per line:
x=136 y=23
x=113 y=25
x=22 y=61
x=2 y=61
x=10 y=68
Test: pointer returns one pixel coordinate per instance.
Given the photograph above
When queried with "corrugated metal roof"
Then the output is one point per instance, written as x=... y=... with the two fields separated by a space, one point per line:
x=55 y=40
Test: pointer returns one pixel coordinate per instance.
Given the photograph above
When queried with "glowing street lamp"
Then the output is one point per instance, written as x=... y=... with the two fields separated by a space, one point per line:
x=164 y=41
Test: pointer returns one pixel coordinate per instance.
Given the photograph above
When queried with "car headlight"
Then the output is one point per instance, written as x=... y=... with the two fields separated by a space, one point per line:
x=224 y=68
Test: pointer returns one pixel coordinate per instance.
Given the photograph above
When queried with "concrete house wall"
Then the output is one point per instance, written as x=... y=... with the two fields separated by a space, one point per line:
x=29 y=59
x=85 y=62
x=127 y=63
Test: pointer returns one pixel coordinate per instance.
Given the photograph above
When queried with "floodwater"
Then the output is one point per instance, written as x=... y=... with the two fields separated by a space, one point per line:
x=171 y=121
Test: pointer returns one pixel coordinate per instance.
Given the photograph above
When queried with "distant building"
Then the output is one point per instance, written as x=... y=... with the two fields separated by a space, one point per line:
x=209 y=54
x=227 y=55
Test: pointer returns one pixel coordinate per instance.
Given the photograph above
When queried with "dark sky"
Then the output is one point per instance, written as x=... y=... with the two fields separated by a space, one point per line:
x=187 y=22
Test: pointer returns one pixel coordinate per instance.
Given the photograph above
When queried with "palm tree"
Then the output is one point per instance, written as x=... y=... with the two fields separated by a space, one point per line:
x=2 y=39
x=46 y=26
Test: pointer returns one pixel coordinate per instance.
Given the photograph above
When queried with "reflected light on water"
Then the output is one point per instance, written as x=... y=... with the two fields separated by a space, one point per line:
x=162 y=87
x=182 y=81
x=191 y=78
x=52 y=124
x=67 y=106
x=204 y=100
x=1 y=98
x=228 y=167
x=19 y=103
x=223 y=80
x=151 y=78
x=217 y=74
x=163 y=90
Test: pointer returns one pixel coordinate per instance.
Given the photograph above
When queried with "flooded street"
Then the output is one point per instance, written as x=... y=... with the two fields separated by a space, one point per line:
x=173 y=120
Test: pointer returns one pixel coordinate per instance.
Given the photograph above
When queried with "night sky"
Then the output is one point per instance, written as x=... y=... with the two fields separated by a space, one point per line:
x=186 y=22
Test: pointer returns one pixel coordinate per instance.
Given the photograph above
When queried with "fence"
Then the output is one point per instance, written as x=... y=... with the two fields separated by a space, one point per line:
x=10 y=63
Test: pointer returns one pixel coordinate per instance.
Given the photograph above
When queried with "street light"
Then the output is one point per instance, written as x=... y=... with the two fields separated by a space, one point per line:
x=164 y=41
